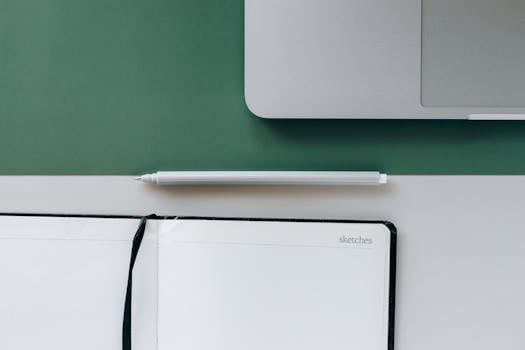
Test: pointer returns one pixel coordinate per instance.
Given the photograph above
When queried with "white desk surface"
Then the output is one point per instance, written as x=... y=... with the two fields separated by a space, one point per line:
x=461 y=260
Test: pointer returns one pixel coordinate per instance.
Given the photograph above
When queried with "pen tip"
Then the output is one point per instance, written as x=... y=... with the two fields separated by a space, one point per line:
x=138 y=178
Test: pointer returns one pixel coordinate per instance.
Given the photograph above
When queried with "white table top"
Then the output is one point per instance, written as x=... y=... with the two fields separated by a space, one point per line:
x=461 y=239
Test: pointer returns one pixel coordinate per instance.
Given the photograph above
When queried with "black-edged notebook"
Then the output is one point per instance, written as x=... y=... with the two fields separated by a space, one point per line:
x=196 y=283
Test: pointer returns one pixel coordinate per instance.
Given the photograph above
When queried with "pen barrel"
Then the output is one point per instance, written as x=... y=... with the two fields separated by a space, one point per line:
x=334 y=178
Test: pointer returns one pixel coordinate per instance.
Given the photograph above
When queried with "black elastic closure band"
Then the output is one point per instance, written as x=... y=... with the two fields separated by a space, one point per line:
x=126 y=324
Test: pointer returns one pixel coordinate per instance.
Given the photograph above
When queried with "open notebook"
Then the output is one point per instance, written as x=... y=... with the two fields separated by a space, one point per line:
x=198 y=283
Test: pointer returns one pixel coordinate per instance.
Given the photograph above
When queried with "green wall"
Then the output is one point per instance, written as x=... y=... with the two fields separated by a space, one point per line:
x=128 y=86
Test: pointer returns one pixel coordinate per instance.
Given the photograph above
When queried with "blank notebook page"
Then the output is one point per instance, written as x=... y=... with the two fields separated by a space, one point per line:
x=62 y=282
x=259 y=285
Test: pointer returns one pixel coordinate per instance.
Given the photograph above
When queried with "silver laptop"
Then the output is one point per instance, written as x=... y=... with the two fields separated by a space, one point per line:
x=462 y=59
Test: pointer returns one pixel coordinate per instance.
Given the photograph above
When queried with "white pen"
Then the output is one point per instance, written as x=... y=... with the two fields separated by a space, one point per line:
x=300 y=178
